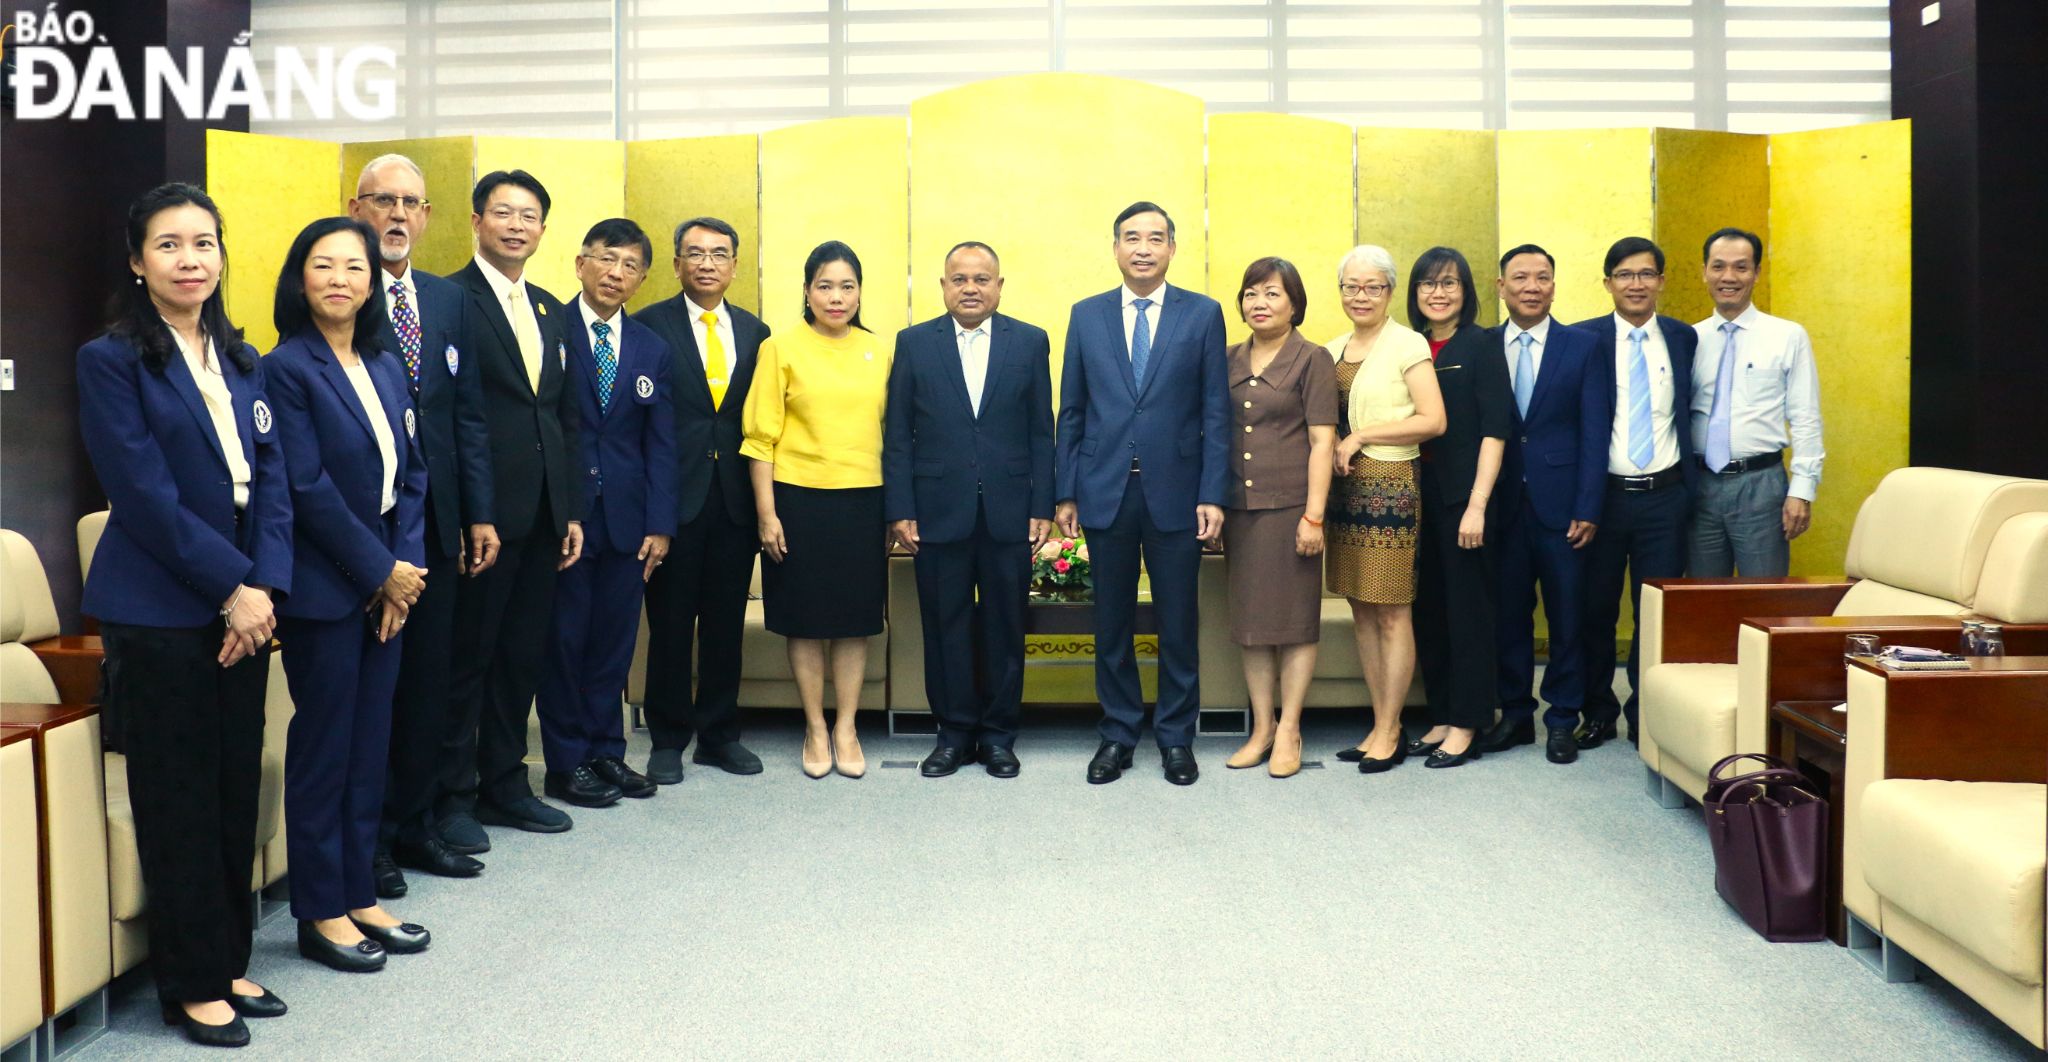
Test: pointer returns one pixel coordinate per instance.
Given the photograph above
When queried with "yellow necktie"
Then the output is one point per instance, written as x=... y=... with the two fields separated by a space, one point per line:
x=527 y=331
x=714 y=359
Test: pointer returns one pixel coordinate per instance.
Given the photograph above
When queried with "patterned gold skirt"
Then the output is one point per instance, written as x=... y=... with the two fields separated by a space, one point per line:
x=1370 y=533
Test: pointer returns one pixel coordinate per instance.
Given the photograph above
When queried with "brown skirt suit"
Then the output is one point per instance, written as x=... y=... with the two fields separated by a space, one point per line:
x=1275 y=595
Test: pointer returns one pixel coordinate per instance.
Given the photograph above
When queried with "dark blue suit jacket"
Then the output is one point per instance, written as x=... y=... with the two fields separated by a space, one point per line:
x=450 y=411
x=1559 y=451
x=629 y=448
x=173 y=551
x=1681 y=342
x=1177 y=425
x=707 y=436
x=342 y=550
x=940 y=462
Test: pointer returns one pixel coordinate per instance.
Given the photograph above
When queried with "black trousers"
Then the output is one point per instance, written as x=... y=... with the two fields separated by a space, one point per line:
x=420 y=708
x=501 y=634
x=699 y=594
x=1642 y=536
x=1454 y=617
x=971 y=596
x=193 y=731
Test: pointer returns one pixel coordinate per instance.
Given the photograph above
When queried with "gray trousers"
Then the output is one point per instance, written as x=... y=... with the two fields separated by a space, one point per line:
x=1738 y=526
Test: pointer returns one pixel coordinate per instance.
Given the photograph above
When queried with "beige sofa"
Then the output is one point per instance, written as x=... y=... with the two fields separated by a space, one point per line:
x=1918 y=549
x=21 y=889
x=1338 y=680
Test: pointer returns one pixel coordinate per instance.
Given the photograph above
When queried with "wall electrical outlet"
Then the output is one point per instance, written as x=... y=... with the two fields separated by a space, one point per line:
x=6 y=374
x=1930 y=14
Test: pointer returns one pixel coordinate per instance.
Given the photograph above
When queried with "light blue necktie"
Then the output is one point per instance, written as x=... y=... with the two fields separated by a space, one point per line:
x=1525 y=373
x=1642 y=449
x=1718 y=454
x=607 y=365
x=1141 y=342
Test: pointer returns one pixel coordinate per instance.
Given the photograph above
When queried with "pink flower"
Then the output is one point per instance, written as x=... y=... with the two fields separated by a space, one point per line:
x=1066 y=543
x=1062 y=565
x=1050 y=550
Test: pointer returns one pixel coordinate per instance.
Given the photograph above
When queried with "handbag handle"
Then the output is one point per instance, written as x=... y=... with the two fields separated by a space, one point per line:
x=1769 y=762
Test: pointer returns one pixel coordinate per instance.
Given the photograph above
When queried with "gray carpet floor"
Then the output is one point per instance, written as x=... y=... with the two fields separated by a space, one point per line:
x=1510 y=909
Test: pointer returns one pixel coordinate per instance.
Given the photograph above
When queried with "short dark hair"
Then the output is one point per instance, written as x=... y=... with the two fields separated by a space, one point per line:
x=1628 y=247
x=1756 y=243
x=291 y=314
x=1142 y=206
x=976 y=245
x=489 y=183
x=823 y=255
x=1290 y=281
x=717 y=225
x=621 y=232
x=1527 y=248
x=1428 y=267
x=132 y=315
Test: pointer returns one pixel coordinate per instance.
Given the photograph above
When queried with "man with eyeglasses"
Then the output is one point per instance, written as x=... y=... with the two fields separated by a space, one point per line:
x=700 y=594
x=423 y=325
x=1755 y=392
x=518 y=341
x=1650 y=472
x=619 y=374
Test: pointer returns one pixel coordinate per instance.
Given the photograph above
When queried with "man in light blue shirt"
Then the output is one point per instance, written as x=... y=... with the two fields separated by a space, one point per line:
x=1755 y=391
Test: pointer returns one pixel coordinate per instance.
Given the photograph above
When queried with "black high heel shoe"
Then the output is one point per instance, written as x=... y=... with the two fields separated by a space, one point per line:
x=402 y=939
x=1369 y=765
x=1348 y=755
x=234 y=1034
x=266 y=1005
x=1439 y=758
x=364 y=956
x=1420 y=747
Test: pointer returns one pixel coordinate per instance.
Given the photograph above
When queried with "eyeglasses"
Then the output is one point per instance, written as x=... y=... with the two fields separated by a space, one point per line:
x=629 y=266
x=385 y=201
x=721 y=256
x=505 y=213
x=1643 y=276
x=1372 y=291
x=1443 y=284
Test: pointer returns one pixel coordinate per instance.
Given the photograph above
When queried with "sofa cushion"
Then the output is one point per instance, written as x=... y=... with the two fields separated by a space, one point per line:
x=2014 y=588
x=1966 y=858
x=125 y=898
x=27 y=611
x=765 y=654
x=1690 y=710
x=1868 y=597
x=1928 y=529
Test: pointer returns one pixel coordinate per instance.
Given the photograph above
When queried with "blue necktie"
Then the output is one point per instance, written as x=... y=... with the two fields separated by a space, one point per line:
x=607 y=365
x=1141 y=342
x=1642 y=448
x=1718 y=454
x=1525 y=373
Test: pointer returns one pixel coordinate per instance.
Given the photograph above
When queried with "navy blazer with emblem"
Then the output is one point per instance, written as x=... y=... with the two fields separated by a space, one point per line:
x=628 y=455
x=1680 y=341
x=343 y=547
x=942 y=463
x=450 y=411
x=175 y=548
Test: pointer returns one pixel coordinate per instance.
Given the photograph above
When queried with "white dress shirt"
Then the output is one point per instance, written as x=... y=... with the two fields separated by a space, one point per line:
x=220 y=408
x=697 y=329
x=1514 y=347
x=1663 y=399
x=1153 y=313
x=520 y=314
x=412 y=296
x=380 y=427
x=973 y=344
x=1776 y=398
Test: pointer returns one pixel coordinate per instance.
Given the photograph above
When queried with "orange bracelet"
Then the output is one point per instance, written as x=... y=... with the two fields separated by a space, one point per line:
x=1312 y=521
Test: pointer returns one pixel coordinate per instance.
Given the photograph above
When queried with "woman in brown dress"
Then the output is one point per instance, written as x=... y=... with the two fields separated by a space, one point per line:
x=1391 y=405
x=1284 y=392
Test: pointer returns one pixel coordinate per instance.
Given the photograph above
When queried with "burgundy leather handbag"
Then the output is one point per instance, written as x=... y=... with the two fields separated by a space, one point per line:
x=1769 y=831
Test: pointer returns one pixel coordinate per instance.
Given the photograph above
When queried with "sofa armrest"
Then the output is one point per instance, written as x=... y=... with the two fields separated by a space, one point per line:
x=1702 y=617
x=73 y=661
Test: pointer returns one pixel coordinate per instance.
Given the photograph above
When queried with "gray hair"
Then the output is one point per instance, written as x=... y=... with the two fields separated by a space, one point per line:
x=1373 y=256
x=382 y=161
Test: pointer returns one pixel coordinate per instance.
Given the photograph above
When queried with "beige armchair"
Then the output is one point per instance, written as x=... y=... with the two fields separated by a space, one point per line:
x=21 y=889
x=1916 y=563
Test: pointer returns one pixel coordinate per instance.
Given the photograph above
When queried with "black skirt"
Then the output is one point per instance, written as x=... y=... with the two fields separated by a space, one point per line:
x=834 y=582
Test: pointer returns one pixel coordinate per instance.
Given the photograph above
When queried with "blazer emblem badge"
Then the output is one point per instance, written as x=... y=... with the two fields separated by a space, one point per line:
x=643 y=387
x=410 y=430
x=261 y=414
x=561 y=355
x=454 y=360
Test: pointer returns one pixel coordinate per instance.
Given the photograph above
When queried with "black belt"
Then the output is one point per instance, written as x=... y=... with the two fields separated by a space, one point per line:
x=1745 y=464
x=1648 y=481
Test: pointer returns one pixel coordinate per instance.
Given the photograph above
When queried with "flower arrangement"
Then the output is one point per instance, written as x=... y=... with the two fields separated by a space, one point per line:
x=1060 y=570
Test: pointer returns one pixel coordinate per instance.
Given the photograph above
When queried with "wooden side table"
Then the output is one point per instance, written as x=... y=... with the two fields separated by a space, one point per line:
x=1814 y=737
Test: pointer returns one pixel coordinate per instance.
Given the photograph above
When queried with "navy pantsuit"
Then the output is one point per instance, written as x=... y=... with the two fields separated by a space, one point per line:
x=341 y=678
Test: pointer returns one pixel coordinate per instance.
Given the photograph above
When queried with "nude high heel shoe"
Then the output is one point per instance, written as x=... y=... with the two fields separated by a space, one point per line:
x=1285 y=761
x=821 y=765
x=847 y=757
x=1253 y=753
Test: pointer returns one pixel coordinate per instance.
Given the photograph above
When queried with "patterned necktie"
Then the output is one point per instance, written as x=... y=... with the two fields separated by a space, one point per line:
x=1141 y=341
x=407 y=324
x=527 y=331
x=1642 y=448
x=1525 y=373
x=714 y=358
x=607 y=365
x=1718 y=421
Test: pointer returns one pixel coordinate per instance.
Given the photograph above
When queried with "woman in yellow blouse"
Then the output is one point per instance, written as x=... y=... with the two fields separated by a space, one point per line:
x=813 y=426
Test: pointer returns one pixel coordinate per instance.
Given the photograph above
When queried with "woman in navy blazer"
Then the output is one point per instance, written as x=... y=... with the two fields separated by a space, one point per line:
x=172 y=408
x=358 y=486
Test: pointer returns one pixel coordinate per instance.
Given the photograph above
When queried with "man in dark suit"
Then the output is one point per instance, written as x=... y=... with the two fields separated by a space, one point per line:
x=1553 y=479
x=619 y=373
x=1141 y=463
x=1650 y=470
x=517 y=338
x=967 y=488
x=701 y=593
x=423 y=326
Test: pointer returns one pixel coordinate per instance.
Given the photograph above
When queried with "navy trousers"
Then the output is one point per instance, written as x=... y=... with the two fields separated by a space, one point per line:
x=336 y=748
x=1173 y=560
x=971 y=596
x=1532 y=555
x=1642 y=536
x=590 y=650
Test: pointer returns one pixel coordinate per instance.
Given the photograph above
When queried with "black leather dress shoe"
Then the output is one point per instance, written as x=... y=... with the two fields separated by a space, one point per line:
x=266 y=1005
x=527 y=813
x=944 y=760
x=384 y=873
x=402 y=939
x=234 y=1034
x=1506 y=734
x=1560 y=747
x=665 y=766
x=365 y=956
x=435 y=857
x=1111 y=760
x=614 y=771
x=730 y=757
x=1000 y=761
x=1591 y=735
x=460 y=831
x=581 y=787
x=1179 y=763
